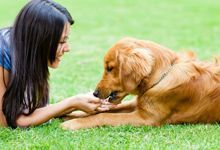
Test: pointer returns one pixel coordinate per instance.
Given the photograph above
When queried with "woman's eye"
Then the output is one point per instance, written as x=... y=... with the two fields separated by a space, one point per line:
x=109 y=69
x=62 y=42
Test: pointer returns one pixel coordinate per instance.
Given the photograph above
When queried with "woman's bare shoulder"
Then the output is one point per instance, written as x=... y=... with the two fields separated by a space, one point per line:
x=4 y=74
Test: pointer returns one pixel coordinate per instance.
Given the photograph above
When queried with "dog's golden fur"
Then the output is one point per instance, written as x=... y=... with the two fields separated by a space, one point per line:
x=171 y=88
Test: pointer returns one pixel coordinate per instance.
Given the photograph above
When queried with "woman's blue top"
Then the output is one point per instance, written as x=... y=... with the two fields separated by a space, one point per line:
x=5 y=58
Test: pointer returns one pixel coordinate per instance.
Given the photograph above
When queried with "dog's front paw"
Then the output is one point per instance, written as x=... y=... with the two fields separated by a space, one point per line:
x=73 y=124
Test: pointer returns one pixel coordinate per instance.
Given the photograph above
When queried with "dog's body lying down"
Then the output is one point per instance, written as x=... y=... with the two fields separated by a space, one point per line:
x=170 y=88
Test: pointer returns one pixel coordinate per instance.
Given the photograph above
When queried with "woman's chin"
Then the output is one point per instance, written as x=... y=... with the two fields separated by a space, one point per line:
x=54 y=65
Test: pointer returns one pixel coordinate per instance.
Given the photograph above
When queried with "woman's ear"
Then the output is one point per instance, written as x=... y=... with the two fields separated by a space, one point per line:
x=134 y=65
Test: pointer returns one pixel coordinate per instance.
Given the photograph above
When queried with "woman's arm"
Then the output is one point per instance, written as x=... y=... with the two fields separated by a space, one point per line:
x=84 y=102
x=3 y=79
x=44 y=114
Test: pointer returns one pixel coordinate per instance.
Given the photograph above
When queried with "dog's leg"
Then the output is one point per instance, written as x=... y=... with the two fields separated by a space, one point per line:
x=112 y=119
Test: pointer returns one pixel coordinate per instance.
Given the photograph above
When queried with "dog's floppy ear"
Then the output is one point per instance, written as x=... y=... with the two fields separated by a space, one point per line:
x=134 y=66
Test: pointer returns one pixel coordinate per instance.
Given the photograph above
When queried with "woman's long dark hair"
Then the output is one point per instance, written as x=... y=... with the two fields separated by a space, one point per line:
x=34 y=41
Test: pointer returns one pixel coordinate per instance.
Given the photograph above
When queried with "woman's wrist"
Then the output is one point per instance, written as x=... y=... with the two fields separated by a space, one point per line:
x=72 y=102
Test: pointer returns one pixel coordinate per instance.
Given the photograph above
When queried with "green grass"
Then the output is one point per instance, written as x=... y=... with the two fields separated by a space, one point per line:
x=125 y=137
x=177 y=24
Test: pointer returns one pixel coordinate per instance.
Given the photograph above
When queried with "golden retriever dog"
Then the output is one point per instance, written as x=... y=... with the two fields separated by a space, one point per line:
x=170 y=88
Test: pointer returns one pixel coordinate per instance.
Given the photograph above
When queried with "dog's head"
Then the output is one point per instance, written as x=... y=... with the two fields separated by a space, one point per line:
x=125 y=66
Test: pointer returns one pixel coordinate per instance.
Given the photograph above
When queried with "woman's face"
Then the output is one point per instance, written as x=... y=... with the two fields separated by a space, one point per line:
x=62 y=47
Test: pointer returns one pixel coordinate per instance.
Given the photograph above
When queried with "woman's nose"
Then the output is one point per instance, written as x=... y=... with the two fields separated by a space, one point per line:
x=66 y=48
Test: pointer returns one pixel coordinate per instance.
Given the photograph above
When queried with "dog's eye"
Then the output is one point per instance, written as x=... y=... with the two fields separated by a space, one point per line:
x=109 y=69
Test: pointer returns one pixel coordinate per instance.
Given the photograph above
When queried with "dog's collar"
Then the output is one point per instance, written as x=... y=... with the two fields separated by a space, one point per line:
x=164 y=74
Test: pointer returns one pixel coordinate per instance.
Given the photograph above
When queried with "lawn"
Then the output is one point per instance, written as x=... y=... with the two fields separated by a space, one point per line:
x=177 y=24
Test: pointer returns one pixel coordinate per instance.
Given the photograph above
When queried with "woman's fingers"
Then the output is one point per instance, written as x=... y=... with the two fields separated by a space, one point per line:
x=93 y=104
x=102 y=109
x=95 y=100
x=105 y=107
x=107 y=103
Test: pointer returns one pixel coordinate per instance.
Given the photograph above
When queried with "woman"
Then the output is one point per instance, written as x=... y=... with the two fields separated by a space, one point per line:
x=36 y=41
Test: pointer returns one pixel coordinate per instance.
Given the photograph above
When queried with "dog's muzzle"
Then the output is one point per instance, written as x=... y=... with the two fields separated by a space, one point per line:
x=110 y=98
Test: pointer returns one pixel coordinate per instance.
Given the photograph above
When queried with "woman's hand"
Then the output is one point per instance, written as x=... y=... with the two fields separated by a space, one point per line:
x=106 y=106
x=90 y=104
x=87 y=103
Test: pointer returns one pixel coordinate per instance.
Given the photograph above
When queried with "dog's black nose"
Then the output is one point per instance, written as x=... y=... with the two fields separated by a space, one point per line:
x=96 y=93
